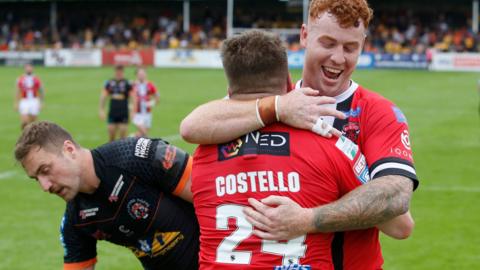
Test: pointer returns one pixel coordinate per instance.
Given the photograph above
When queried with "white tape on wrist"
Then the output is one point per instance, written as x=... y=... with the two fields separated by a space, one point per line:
x=320 y=129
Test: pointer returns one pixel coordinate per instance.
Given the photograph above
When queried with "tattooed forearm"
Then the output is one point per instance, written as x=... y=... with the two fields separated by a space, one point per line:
x=366 y=206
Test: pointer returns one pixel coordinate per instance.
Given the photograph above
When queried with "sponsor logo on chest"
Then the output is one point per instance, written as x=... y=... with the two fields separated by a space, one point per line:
x=138 y=209
x=86 y=213
x=256 y=143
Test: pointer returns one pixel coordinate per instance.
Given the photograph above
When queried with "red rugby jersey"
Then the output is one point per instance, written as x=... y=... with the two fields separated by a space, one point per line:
x=29 y=86
x=276 y=160
x=380 y=130
x=144 y=92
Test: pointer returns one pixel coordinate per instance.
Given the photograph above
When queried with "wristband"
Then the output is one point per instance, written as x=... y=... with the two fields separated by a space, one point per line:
x=259 y=119
x=266 y=110
x=277 y=114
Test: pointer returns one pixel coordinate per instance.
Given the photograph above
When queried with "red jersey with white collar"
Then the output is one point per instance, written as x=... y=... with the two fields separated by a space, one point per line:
x=144 y=92
x=276 y=160
x=380 y=130
x=29 y=86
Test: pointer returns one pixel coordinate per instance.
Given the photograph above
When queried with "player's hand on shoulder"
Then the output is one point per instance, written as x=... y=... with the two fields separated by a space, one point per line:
x=302 y=107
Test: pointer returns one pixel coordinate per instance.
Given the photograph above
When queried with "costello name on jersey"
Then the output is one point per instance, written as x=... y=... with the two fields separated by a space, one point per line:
x=257 y=181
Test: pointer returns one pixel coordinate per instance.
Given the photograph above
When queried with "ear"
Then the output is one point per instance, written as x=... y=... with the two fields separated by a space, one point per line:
x=303 y=35
x=69 y=147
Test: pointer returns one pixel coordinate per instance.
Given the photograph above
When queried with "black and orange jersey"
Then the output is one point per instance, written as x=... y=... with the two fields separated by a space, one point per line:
x=119 y=92
x=134 y=207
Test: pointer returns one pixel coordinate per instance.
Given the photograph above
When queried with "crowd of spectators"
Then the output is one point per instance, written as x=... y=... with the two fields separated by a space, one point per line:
x=398 y=32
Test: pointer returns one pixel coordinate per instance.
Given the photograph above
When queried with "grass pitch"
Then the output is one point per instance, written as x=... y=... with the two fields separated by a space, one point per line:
x=443 y=114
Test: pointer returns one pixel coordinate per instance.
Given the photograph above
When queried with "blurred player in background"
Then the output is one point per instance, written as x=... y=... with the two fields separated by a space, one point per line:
x=146 y=97
x=29 y=96
x=124 y=192
x=119 y=91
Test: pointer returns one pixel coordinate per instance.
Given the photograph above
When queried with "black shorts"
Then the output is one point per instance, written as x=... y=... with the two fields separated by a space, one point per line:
x=117 y=119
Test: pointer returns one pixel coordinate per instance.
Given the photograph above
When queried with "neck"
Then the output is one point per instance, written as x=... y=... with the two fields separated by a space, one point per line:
x=259 y=94
x=321 y=92
x=89 y=178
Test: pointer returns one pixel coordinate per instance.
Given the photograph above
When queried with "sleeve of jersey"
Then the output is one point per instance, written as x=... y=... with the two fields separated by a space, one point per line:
x=153 y=89
x=386 y=144
x=79 y=250
x=165 y=165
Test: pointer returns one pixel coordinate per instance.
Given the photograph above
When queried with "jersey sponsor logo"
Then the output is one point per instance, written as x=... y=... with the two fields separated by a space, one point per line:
x=161 y=243
x=360 y=169
x=257 y=181
x=292 y=267
x=116 y=189
x=402 y=153
x=405 y=139
x=142 y=147
x=353 y=112
x=347 y=147
x=169 y=157
x=138 y=209
x=231 y=149
x=85 y=213
x=351 y=130
x=118 y=96
x=399 y=115
x=256 y=143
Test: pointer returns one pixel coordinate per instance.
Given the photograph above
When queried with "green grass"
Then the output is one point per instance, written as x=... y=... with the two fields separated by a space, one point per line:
x=442 y=109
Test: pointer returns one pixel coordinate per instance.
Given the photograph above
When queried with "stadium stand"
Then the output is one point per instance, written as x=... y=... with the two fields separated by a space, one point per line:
x=407 y=29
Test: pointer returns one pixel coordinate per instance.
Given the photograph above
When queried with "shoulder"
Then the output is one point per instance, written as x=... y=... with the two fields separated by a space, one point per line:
x=117 y=151
x=369 y=96
x=128 y=151
x=375 y=105
x=109 y=82
x=150 y=84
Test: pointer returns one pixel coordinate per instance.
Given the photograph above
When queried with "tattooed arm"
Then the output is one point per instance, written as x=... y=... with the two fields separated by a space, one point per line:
x=366 y=206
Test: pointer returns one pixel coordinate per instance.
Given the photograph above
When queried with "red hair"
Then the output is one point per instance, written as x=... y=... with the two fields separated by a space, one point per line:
x=347 y=12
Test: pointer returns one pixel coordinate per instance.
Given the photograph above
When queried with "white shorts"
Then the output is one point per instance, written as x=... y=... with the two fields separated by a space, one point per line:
x=143 y=119
x=29 y=106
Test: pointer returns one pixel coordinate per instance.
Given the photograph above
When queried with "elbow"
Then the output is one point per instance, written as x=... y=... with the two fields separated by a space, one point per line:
x=405 y=231
x=187 y=131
